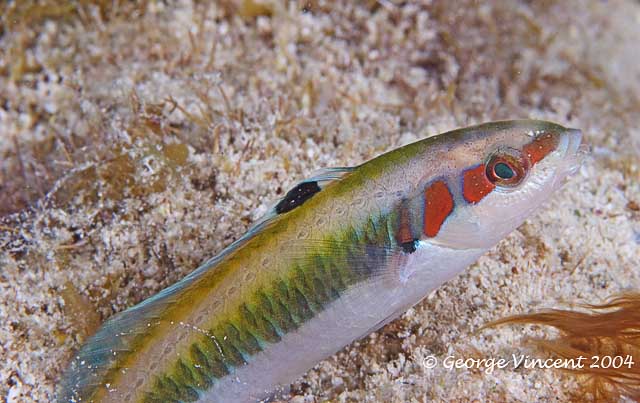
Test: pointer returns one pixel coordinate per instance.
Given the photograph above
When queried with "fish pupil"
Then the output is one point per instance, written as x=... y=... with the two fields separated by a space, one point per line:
x=503 y=171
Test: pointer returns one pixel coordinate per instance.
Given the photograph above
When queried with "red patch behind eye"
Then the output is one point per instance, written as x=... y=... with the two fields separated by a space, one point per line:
x=540 y=147
x=438 y=204
x=475 y=185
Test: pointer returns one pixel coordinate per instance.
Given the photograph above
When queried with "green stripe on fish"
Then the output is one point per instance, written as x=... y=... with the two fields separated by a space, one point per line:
x=273 y=311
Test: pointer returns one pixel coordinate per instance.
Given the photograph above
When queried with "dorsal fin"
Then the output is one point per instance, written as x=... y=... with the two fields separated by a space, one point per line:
x=300 y=193
x=322 y=177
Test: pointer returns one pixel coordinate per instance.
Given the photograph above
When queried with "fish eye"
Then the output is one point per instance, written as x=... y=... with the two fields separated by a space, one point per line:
x=506 y=168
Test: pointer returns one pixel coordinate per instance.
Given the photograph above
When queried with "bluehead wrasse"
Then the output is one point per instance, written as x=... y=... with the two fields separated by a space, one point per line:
x=339 y=256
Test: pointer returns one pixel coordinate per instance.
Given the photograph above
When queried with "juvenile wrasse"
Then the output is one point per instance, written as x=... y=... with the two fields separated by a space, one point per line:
x=340 y=255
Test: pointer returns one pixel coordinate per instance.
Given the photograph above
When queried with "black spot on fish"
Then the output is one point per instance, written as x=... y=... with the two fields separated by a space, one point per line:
x=409 y=247
x=296 y=196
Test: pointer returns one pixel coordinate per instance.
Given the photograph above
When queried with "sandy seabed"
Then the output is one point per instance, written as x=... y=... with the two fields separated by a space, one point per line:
x=137 y=141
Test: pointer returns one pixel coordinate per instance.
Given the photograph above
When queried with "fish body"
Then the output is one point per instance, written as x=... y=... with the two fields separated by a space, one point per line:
x=339 y=256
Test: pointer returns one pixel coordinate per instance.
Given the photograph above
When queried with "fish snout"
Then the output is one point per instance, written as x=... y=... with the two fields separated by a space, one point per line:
x=575 y=140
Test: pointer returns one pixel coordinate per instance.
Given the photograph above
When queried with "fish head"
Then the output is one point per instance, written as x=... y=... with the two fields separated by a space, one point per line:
x=501 y=173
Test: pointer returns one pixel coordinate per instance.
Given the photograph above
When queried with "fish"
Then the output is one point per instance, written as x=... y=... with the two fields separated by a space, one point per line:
x=339 y=256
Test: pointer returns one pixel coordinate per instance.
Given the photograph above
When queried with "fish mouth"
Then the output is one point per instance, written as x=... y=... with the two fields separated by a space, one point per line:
x=575 y=152
x=575 y=140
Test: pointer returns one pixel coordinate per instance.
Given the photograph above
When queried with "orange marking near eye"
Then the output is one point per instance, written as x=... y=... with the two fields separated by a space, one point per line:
x=438 y=204
x=475 y=184
x=540 y=147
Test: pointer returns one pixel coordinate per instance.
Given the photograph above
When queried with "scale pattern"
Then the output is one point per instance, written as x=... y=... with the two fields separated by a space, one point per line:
x=312 y=283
